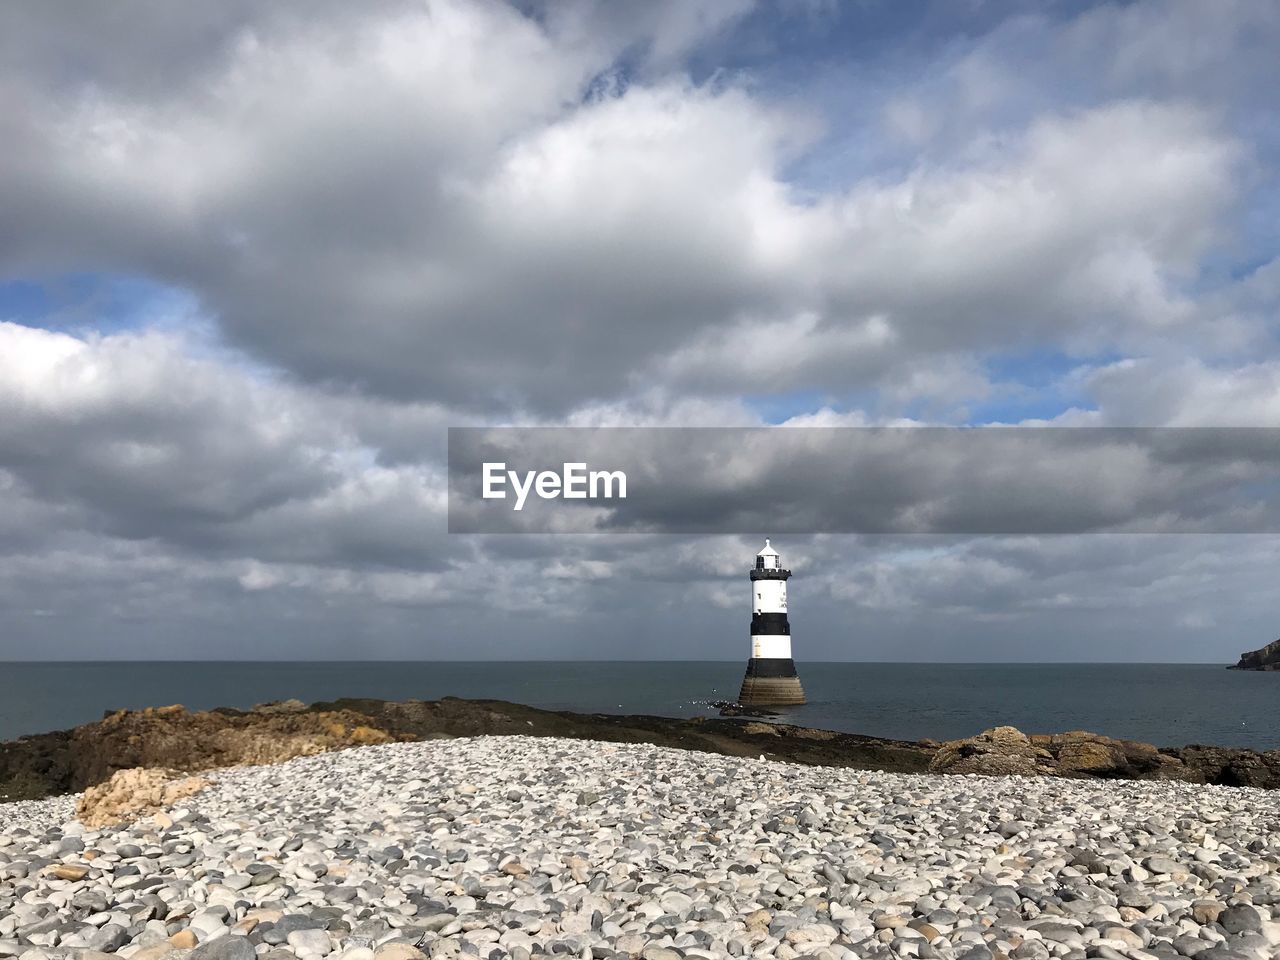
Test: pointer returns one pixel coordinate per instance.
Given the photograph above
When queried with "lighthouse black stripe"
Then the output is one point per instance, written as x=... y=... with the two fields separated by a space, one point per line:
x=770 y=625
x=769 y=575
x=771 y=667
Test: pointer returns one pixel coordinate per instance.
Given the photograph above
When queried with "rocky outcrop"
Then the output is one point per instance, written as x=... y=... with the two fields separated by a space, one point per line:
x=1228 y=766
x=1000 y=751
x=1006 y=750
x=173 y=738
x=132 y=794
x=1267 y=658
x=1080 y=753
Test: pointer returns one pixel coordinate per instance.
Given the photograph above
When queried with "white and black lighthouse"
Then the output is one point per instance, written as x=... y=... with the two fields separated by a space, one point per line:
x=771 y=672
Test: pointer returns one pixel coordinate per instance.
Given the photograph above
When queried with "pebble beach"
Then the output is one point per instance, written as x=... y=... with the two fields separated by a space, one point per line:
x=515 y=847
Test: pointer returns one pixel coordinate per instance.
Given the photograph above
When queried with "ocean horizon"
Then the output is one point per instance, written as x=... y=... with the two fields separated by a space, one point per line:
x=1165 y=704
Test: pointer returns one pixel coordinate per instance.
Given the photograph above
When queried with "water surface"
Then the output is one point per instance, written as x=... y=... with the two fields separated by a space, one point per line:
x=1164 y=704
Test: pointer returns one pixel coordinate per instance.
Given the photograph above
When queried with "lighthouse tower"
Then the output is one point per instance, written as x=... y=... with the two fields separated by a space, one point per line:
x=771 y=673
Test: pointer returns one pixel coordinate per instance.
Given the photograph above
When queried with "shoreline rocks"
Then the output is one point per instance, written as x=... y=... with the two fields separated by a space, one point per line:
x=173 y=738
x=1004 y=751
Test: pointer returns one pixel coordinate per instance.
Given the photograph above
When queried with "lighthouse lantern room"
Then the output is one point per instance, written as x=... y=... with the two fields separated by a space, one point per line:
x=771 y=672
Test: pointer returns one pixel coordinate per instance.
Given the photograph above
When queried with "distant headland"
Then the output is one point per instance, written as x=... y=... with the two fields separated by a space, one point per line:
x=1265 y=658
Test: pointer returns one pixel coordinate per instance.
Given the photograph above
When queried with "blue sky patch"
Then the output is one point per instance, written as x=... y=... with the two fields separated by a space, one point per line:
x=96 y=303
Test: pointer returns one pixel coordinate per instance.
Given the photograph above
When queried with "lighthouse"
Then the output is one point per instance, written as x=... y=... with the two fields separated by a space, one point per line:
x=771 y=673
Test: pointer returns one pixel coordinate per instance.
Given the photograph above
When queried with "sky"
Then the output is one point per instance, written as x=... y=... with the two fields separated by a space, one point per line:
x=255 y=259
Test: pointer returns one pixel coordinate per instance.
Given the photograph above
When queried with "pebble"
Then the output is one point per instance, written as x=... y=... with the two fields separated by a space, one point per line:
x=224 y=948
x=513 y=848
x=315 y=942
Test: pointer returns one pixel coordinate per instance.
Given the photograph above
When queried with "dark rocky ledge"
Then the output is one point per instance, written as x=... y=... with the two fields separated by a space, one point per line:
x=1267 y=658
x=171 y=737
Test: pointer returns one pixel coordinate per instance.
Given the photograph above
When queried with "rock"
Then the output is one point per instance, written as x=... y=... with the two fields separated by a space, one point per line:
x=1133 y=895
x=1000 y=751
x=1241 y=918
x=1264 y=658
x=157 y=951
x=927 y=930
x=69 y=871
x=1080 y=752
x=183 y=940
x=1122 y=935
x=1030 y=950
x=208 y=924
x=173 y=738
x=677 y=903
x=398 y=951
x=1206 y=911
x=280 y=706
x=224 y=948
x=131 y=794
x=1230 y=766
x=292 y=922
x=312 y=941
x=109 y=938
x=811 y=933
x=262 y=874
x=1189 y=946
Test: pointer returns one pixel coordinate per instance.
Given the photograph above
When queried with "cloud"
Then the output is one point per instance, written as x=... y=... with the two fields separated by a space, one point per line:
x=1188 y=392
x=383 y=219
x=136 y=439
x=434 y=205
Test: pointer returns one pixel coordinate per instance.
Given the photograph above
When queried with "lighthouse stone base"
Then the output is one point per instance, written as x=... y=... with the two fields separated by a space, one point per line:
x=771 y=682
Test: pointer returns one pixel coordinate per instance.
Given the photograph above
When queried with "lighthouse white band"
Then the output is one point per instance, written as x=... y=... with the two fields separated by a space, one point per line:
x=769 y=596
x=776 y=647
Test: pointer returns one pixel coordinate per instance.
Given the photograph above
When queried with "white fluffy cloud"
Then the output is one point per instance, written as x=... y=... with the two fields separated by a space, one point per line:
x=399 y=216
x=438 y=204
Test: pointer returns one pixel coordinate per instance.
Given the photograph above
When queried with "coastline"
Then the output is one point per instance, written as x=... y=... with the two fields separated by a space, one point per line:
x=68 y=761
x=1169 y=705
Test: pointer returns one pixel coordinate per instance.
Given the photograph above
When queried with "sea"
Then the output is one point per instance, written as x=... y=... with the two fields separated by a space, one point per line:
x=1164 y=704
